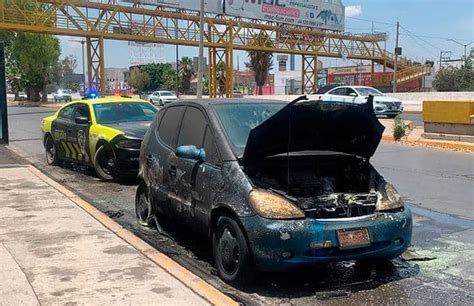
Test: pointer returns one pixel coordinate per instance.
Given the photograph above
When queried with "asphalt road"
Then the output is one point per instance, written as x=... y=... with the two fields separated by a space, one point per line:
x=416 y=118
x=438 y=269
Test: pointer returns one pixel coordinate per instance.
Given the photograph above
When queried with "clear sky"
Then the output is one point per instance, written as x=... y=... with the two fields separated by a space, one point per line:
x=426 y=27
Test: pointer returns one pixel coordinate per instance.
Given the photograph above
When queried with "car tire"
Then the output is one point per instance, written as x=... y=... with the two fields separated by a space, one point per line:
x=143 y=206
x=161 y=103
x=151 y=102
x=102 y=166
x=51 y=152
x=231 y=252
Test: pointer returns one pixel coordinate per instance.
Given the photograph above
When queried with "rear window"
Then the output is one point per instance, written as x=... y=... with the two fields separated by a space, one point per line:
x=169 y=126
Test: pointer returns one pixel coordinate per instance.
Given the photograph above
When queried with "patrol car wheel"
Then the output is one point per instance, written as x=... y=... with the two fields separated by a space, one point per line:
x=105 y=164
x=231 y=253
x=51 y=152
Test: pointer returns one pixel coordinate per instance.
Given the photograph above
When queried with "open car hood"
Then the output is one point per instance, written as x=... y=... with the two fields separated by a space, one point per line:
x=316 y=126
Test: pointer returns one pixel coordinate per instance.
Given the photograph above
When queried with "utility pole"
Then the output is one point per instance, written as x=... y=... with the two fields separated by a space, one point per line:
x=201 y=51
x=82 y=42
x=177 y=60
x=397 y=51
x=464 y=45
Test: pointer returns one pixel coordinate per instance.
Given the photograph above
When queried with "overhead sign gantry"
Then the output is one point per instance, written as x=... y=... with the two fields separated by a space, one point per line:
x=111 y=19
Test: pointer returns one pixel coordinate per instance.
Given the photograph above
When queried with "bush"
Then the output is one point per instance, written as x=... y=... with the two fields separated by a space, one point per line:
x=399 y=129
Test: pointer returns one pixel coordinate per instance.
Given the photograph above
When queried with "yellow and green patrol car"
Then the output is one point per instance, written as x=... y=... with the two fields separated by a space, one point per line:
x=105 y=133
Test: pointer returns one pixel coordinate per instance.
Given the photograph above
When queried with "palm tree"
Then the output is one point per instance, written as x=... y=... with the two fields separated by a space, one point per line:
x=186 y=72
x=260 y=62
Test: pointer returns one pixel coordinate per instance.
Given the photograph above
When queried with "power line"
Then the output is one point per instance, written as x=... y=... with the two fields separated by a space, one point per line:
x=374 y=21
x=420 y=38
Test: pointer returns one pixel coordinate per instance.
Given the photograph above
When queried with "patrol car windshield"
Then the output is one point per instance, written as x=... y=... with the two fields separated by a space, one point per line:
x=121 y=112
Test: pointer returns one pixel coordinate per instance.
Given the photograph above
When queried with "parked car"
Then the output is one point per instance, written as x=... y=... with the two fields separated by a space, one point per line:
x=162 y=97
x=62 y=95
x=274 y=185
x=104 y=133
x=383 y=105
x=22 y=96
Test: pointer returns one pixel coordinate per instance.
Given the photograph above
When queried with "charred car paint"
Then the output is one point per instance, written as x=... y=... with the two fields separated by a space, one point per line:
x=281 y=185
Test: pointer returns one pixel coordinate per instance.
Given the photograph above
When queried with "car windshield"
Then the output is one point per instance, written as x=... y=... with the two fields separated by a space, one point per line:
x=166 y=94
x=239 y=119
x=366 y=91
x=120 y=112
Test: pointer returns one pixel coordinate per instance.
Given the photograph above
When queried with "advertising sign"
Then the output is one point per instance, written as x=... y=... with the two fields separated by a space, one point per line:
x=323 y=14
x=210 y=6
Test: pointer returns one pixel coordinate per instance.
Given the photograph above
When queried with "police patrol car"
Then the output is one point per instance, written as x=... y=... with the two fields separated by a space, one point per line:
x=105 y=133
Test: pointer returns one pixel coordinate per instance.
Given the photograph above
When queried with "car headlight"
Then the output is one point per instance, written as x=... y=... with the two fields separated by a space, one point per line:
x=129 y=144
x=388 y=198
x=272 y=206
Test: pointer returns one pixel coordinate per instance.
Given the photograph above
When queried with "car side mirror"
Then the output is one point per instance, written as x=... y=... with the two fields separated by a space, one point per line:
x=82 y=120
x=191 y=152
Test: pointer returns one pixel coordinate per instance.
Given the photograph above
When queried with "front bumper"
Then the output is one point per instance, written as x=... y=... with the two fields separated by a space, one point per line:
x=279 y=245
x=127 y=161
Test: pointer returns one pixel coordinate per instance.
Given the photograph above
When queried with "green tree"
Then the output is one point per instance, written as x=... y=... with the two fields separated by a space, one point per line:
x=260 y=62
x=35 y=58
x=139 y=81
x=186 y=72
x=455 y=79
x=162 y=76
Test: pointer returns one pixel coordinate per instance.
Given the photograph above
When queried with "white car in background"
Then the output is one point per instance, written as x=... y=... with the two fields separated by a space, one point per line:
x=383 y=105
x=162 y=97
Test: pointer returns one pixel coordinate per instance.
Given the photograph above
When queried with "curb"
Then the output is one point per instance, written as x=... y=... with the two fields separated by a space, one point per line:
x=195 y=283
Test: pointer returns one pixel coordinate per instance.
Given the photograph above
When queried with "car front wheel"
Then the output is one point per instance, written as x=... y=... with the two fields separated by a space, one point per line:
x=231 y=252
x=51 y=152
x=105 y=164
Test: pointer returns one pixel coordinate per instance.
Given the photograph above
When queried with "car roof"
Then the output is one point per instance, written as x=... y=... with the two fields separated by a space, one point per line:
x=107 y=100
x=233 y=101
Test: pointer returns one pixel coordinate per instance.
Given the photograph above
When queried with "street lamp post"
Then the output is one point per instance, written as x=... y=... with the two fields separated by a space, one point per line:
x=82 y=42
x=464 y=45
x=201 y=51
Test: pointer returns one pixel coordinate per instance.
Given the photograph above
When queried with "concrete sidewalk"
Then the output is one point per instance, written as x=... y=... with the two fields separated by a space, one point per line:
x=54 y=252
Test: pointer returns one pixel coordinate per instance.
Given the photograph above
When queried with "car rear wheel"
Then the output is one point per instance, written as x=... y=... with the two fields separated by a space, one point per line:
x=161 y=103
x=143 y=208
x=105 y=164
x=51 y=152
x=231 y=252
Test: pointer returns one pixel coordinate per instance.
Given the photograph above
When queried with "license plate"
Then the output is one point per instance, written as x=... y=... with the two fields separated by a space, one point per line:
x=393 y=108
x=353 y=238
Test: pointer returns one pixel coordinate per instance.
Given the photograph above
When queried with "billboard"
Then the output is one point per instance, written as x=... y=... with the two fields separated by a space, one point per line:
x=210 y=6
x=323 y=14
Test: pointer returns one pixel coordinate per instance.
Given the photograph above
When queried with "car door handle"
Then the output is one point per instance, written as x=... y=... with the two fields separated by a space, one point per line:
x=172 y=171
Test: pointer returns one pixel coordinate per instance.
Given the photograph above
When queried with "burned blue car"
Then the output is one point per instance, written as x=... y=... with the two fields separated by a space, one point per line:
x=273 y=185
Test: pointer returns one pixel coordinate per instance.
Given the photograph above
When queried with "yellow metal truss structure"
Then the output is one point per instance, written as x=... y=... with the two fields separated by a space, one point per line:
x=97 y=20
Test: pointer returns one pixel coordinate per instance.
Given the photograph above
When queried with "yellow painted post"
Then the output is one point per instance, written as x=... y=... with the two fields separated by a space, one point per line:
x=230 y=62
x=89 y=63
x=102 y=66
x=303 y=75
x=315 y=76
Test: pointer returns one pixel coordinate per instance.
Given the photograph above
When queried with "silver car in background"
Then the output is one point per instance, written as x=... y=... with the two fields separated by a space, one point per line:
x=162 y=97
x=383 y=105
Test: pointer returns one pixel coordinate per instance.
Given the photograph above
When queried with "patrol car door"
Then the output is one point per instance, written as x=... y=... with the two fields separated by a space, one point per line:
x=62 y=130
x=80 y=133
